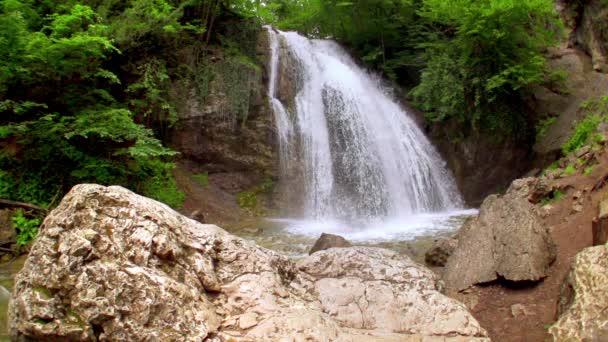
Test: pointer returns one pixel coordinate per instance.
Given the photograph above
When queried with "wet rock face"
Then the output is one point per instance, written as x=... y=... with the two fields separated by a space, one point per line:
x=327 y=241
x=506 y=239
x=584 y=298
x=110 y=265
x=587 y=24
x=231 y=128
x=480 y=164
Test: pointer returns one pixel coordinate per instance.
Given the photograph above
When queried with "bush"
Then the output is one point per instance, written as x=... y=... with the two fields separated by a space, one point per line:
x=27 y=228
x=160 y=183
x=482 y=56
x=582 y=133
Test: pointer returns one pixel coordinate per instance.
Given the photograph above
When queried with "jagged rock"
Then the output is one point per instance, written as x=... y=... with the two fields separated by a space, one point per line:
x=506 y=239
x=541 y=189
x=327 y=241
x=111 y=265
x=584 y=299
x=440 y=252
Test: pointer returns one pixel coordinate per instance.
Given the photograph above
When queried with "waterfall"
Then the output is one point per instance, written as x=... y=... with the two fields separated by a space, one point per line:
x=359 y=154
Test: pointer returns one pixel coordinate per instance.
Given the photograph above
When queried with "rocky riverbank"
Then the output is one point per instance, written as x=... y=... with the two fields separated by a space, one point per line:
x=525 y=263
x=111 y=265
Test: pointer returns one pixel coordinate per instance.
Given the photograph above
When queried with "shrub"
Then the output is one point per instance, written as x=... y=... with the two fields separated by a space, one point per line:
x=582 y=133
x=27 y=228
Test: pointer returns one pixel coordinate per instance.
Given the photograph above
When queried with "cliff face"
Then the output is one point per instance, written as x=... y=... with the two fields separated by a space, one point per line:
x=587 y=25
x=227 y=126
x=582 y=58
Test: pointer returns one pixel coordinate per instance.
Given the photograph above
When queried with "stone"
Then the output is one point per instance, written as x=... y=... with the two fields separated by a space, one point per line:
x=541 y=189
x=438 y=254
x=198 y=216
x=518 y=310
x=326 y=241
x=248 y=320
x=377 y=289
x=583 y=151
x=507 y=239
x=112 y=265
x=582 y=314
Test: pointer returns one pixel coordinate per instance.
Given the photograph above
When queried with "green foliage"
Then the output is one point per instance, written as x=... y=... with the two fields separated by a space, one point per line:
x=553 y=197
x=570 y=170
x=542 y=127
x=478 y=58
x=202 y=179
x=27 y=228
x=158 y=183
x=588 y=170
x=82 y=86
x=247 y=200
x=491 y=52
x=583 y=131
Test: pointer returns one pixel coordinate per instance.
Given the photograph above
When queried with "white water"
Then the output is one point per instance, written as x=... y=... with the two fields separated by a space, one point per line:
x=363 y=161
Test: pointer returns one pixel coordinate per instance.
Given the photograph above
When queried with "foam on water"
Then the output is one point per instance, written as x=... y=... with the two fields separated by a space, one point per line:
x=416 y=225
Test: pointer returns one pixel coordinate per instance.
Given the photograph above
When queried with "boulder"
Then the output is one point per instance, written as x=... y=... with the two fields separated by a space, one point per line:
x=507 y=239
x=440 y=252
x=377 y=289
x=327 y=241
x=584 y=299
x=111 y=265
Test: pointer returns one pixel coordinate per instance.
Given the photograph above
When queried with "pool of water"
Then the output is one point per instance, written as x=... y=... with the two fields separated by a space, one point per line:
x=411 y=235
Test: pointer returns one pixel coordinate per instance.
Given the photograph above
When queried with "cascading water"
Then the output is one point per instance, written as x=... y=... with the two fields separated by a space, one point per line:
x=361 y=159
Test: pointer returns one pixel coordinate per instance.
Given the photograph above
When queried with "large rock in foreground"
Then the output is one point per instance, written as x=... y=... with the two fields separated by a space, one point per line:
x=584 y=299
x=506 y=239
x=110 y=265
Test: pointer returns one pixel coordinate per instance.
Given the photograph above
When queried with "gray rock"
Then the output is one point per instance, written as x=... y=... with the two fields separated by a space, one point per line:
x=111 y=265
x=327 y=241
x=583 y=151
x=440 y=252
x=506 y=239
x=584 y=299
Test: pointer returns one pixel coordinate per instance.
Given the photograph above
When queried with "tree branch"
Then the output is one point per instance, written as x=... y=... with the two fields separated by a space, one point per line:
x=22 y=205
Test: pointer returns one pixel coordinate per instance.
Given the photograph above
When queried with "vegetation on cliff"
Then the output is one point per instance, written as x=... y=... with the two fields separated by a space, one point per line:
x=84 y=90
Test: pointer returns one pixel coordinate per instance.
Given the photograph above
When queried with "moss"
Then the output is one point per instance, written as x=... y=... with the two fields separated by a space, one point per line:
x=43 y=291
x=202 y=179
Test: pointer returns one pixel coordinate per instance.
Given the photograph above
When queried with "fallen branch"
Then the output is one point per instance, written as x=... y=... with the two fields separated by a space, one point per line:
x=22 y=205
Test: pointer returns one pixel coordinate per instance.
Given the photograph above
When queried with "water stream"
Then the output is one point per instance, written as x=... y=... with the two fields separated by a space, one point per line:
x=352 y=157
